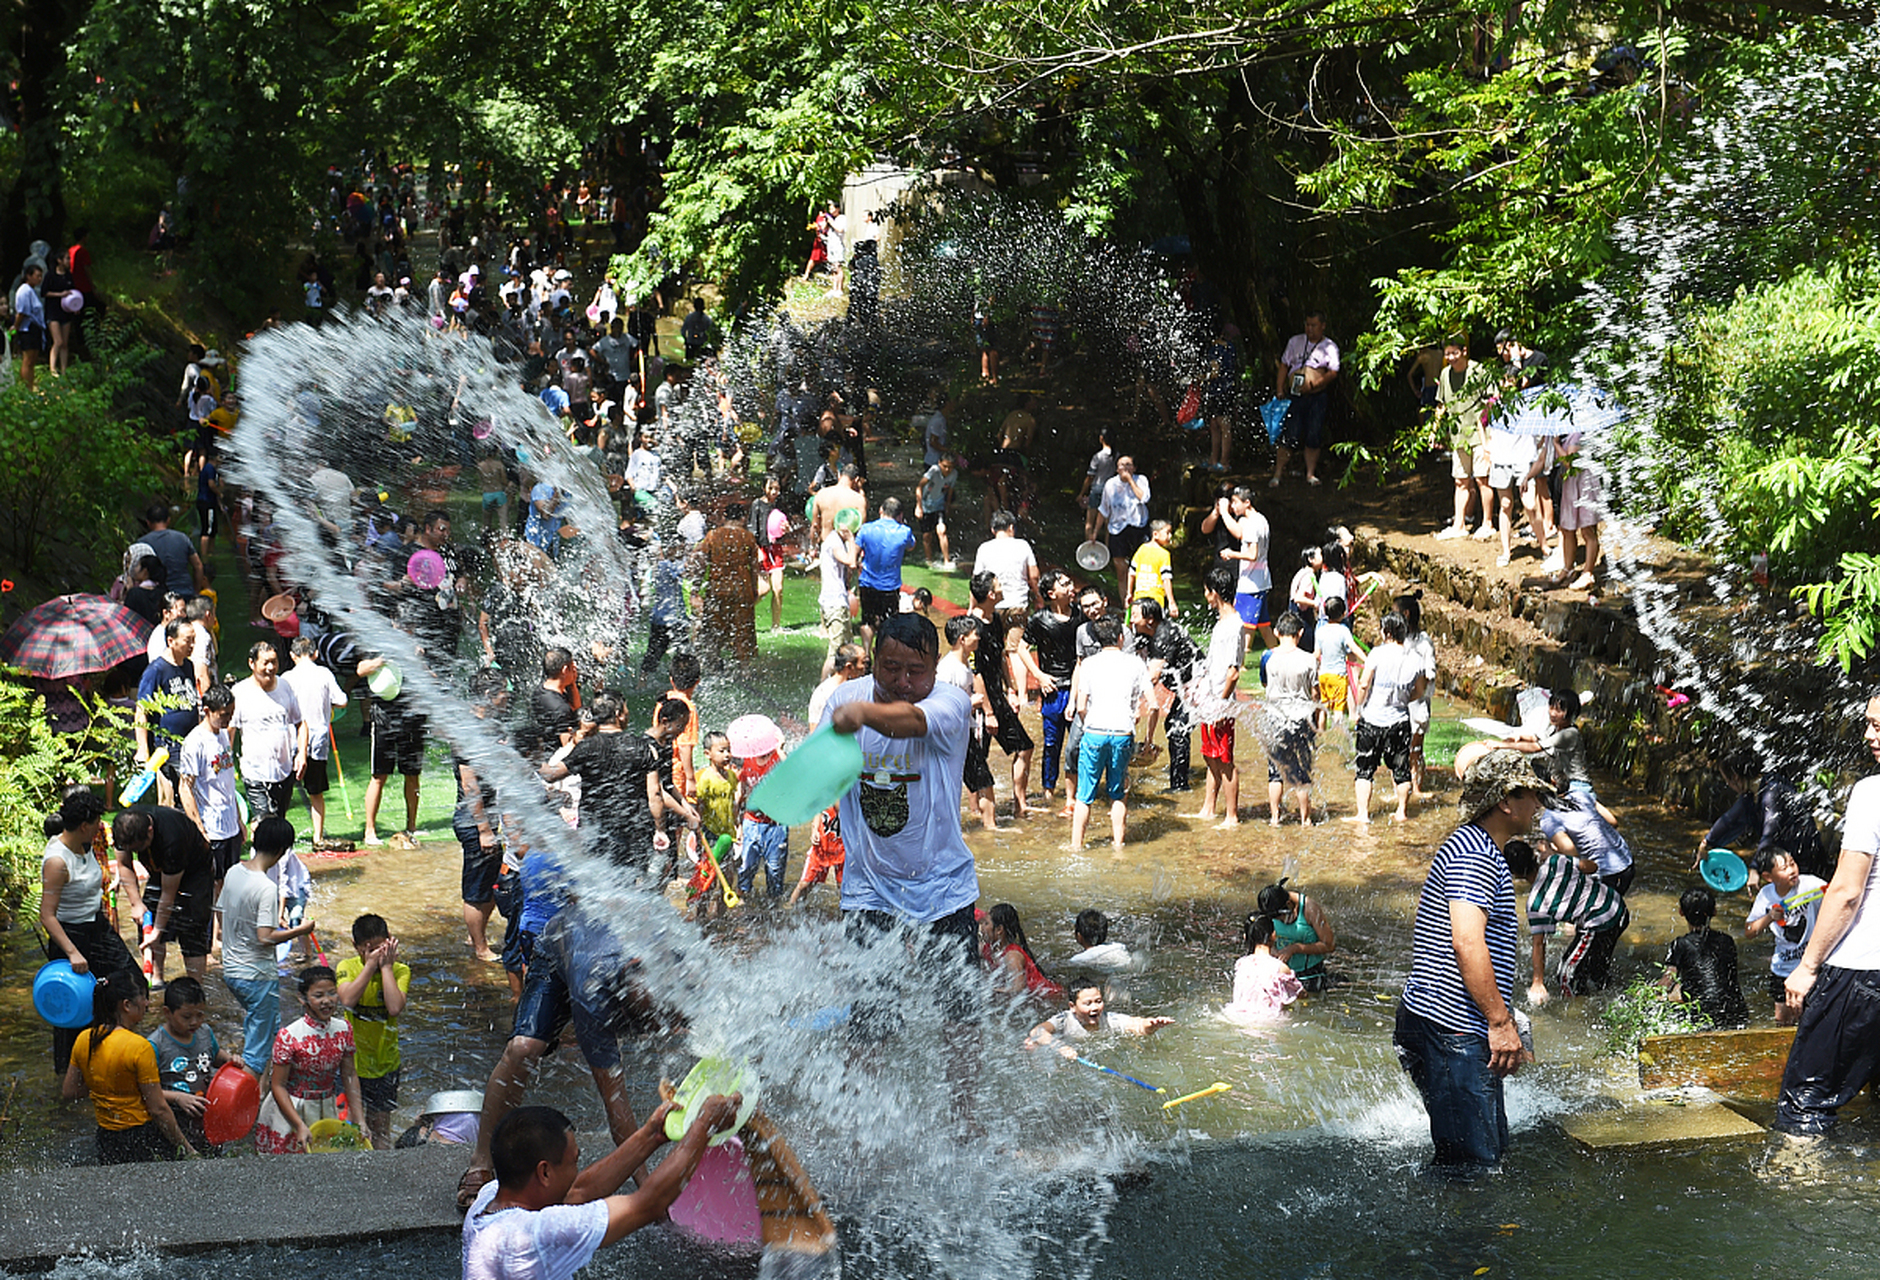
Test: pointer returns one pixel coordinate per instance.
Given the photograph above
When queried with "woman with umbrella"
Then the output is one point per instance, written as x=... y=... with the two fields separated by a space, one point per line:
x=71 y=901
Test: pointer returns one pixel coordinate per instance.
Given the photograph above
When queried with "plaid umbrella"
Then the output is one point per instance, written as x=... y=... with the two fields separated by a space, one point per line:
x=74 y=636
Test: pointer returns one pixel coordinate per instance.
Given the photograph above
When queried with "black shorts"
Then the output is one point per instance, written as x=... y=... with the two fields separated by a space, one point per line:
x=208 y=519
x=380 y=1093
x=877 y=605
x=141 y=1145
x=1289 y=759
x=930 y=521
x=315 y=779
x=269 y=798
x=1123 y=545
x=397 y=748
x=1778 y=987
x=481 y=866
x=192 y=916
x=1010 y=732
x=224 y=854
x=948 y=957
x=978 y=774
x=1390 y=747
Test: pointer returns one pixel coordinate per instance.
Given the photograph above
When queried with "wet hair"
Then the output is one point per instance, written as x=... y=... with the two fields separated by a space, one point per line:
x=1092 y=927
x=1276 y=899
x=715 y=737
x=606 y=708
x=1002 y=520
x=1050 y=581
x=1568 y=701
x=1309 y=556
x=1519 y=855
x=1004 y=917
x=316 y=973
x=1078 y=983
x=435 y=517
x=77 y=806
x=1335 y=609
x=684 y=670
x=1220 y=579
x=1393 y=626
x=260 y=647
x=909 y=629
x=959 y=627
x=671 y=711
x=1697 y=905
x=1288 y=624
x=1106 y=630
x=555 y=661
x=1151 y=610
x=1410 y=605
x=107 y=995
x=890 y=508
x=370 y=928
x=130 y=827
x=1257 y=932
x=526 y=1137
x=848 y=653
x=922 y=597
x=181 y=992
x=273 y=834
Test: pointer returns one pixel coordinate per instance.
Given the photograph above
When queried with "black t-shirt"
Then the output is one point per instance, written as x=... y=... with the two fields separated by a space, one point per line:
x=1175 y=648
x=613 y=769
x=176 y=847
x=989 y=659
x=550 y=716
x=146 y=603
x=1054 y=636
x=1706 y=964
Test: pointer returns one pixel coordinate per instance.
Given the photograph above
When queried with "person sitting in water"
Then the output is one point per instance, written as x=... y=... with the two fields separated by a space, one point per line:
x=1008 y=954
x=1096 y=951
x=544 y=1217
x=1087 y=1018
x=1701 y=965
x=1303 y=935
x=1263 y=983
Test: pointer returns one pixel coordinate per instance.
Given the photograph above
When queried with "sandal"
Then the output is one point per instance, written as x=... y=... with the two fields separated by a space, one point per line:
x=471 y=1185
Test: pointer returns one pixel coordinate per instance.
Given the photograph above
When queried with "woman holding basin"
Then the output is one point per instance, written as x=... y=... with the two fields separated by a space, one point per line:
x=71 y=901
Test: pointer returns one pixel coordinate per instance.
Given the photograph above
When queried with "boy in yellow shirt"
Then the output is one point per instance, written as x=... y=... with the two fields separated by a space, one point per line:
x=1151 y=569
x=372 y=1006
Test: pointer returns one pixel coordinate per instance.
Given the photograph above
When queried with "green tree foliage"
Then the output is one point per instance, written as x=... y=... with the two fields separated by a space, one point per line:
x=36 y=764
x=69 y=455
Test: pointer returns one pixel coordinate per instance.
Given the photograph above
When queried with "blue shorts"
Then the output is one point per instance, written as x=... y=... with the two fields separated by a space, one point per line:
x=1250 y=605
x=1104 y=756
x=545 y=1009
x=1305 y=424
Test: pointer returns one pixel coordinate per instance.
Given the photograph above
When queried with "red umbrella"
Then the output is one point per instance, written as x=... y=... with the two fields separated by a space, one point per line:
x=74 y=636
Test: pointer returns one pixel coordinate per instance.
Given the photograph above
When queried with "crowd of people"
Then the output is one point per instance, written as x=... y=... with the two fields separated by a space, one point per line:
x=928 y=687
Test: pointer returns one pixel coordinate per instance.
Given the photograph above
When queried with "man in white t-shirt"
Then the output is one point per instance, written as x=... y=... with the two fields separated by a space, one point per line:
x=1012 y=559
x=205 y=782
x=1837 y=984
x=908 y=868
x=1112 y=693
x=838 y=558
x=544 y=1216
x=319 y=695
x=273 y=733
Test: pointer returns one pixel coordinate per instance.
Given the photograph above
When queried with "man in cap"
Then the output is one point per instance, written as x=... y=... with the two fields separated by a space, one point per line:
x=1456 y=1032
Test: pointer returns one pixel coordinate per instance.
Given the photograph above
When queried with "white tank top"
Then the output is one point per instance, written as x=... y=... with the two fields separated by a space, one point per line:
x=83 y=894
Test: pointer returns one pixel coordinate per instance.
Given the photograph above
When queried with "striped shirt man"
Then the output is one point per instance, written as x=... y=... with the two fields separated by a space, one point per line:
x=1563 y=894
x=1467 y=868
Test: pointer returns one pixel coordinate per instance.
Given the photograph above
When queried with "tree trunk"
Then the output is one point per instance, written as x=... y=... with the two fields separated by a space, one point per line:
x=35 y=204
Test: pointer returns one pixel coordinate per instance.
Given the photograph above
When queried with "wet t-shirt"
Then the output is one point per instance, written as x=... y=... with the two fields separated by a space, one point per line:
x=1054 y=636
x=613 y=769
x=901 y=822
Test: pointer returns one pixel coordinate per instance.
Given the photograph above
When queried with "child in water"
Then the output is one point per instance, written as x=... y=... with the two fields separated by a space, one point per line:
x=312 y=1065
x=1087 y=1018
x=1008 y=954
x=1263 y=983
x=1701 y=965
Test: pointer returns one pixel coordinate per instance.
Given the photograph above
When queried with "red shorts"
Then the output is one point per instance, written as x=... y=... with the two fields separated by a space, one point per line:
x=820 y=863
x=768 y=558
x=1217 y=741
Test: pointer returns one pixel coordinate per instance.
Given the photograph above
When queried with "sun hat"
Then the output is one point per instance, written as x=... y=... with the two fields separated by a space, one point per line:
x=1496 y=776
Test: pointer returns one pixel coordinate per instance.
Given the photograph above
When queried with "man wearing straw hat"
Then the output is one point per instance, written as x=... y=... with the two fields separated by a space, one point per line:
x=1456 y=1032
